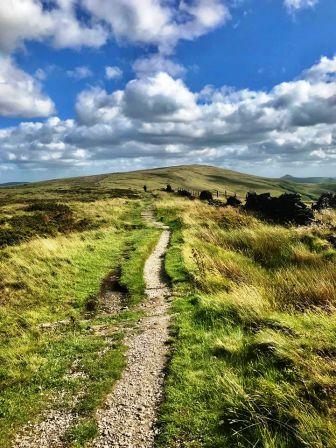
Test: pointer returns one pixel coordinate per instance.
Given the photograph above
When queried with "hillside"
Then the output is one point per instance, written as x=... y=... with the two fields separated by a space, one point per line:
x=195 y=177
x=308 y=180
x=83 y=276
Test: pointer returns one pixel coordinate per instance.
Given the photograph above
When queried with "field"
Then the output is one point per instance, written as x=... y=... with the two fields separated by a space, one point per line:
x=254 y=337
x=253 y=327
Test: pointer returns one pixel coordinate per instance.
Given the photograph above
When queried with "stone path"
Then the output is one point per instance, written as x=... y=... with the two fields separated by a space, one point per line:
x=129 y=416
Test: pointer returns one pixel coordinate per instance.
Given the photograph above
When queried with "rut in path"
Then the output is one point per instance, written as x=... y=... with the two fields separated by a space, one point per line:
x=129 y=416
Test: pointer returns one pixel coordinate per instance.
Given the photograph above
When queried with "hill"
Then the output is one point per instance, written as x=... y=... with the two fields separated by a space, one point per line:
x=12 y=184
x=308 y=180
x=194 y=177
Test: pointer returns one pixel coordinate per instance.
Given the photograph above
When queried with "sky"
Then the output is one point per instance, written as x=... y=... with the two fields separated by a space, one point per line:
x=96 y=86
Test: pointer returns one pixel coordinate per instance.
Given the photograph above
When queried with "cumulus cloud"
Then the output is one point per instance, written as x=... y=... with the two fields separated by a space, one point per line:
x=20 y=93
x=113 y=72
x=36 y=20
x=158 y=118
x=58 y=22
x=158 y=22
x=159 y=98
x=78 y=23
x=295 y=5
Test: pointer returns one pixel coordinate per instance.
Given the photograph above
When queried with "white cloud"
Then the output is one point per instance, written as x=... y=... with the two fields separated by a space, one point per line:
x=157 y=118
x=113 y=72
x=77 y=23
x=20 y=93
x=40 y=74
x=324 y=70
x=30 y=20
x=80 y=73
x=157 y=22
x=96 y=106
x=159 y=98
x=148 y=66
x=295 y=5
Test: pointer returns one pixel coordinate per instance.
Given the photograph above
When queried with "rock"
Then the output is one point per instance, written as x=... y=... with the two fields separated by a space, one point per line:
x=287 y=208
x=206 y=195
x=233 y=201
x=326 y=200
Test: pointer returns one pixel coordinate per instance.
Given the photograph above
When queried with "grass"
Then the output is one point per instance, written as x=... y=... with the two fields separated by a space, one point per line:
x=50 y=355
x=254 y=331
x=253 y=338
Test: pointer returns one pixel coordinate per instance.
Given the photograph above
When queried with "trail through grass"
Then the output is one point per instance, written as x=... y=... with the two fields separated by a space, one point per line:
x=51 y=356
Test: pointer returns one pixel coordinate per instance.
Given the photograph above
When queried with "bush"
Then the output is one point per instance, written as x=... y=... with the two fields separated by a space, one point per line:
x=53 y=207
x=206 y=195
x=169 y=189
x=48 y=219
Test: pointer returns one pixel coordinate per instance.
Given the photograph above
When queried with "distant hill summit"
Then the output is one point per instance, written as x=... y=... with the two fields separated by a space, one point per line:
x=191 y=177
x=309 y=180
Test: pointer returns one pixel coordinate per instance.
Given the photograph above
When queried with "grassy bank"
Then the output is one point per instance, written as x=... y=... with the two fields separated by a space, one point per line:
x=254 y=331
x=50 y=355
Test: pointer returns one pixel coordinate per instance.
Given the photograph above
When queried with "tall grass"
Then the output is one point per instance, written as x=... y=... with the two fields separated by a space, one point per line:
x=254 y=333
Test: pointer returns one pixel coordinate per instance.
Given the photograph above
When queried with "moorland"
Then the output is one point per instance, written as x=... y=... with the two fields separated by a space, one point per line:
x=253 y=313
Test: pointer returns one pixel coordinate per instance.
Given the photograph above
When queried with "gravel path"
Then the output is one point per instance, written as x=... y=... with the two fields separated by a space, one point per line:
x=48 y=433
x=129 y=416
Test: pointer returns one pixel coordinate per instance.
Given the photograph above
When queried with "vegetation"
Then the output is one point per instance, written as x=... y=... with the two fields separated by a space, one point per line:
x=58 y=350
x=253 y=337
x=254 y=333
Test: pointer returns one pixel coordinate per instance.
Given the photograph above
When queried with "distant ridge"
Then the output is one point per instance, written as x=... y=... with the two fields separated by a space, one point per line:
x=308 y=180
x=192 y=177
x=13 y=184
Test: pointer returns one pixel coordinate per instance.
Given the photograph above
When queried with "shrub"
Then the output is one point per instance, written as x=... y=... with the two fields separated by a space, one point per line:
x=49 y=219
x=52 y=207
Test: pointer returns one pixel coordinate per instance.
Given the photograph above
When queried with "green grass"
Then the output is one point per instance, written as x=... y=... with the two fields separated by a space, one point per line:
x=50 y=355
x=254 y=332
x=254 y=310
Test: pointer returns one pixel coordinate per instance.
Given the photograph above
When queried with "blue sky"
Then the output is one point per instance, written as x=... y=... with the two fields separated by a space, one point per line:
x=90 y=86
